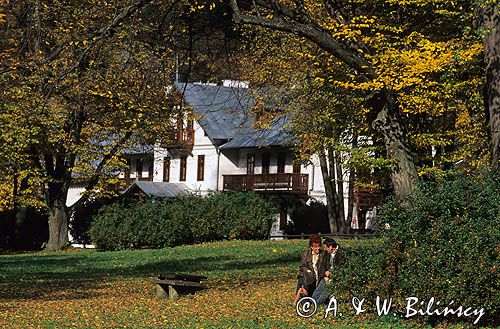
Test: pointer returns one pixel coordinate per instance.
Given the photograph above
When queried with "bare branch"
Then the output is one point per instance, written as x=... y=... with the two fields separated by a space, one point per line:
x=319 y=36
x=101 y=33
x=334 y=11
x=92 y=182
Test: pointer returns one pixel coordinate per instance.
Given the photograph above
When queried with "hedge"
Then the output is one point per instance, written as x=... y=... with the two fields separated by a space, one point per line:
x=168 y=222
x=444 y=243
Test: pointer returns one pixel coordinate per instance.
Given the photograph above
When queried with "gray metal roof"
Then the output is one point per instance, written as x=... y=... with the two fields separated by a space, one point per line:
x=223 y=111
x=225 y=115
x=159 y=189
x=250 y=138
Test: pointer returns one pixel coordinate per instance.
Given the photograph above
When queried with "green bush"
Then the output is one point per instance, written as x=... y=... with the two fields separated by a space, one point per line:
x=444 y=243
x=161 y=223
x=364 y=274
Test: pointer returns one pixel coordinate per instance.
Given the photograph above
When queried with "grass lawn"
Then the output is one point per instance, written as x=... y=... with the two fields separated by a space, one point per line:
x=251 y=285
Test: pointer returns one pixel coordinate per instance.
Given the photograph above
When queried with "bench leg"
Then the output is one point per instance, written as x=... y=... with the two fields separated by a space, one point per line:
x=172 y=293
x=160 y=292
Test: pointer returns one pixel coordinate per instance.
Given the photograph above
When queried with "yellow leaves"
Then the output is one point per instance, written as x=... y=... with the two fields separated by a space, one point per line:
x=101 y=93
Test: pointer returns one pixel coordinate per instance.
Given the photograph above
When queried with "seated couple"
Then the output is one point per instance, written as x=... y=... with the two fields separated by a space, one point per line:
x=317 y=267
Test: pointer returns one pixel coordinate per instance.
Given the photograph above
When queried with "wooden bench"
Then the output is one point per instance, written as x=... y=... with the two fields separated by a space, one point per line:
x=172 y=285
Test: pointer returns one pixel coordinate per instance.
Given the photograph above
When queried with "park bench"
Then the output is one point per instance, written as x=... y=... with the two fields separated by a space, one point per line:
x=172 y=285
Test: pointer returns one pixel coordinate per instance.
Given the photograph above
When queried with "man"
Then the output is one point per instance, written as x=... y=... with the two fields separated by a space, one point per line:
x=336 y=258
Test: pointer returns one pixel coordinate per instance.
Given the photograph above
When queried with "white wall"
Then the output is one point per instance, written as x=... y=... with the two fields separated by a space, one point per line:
x=202 y=146
x=317 y=186
x=74 y=194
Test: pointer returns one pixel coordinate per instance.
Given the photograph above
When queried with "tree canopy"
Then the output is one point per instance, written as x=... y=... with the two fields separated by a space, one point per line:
x=417 y=65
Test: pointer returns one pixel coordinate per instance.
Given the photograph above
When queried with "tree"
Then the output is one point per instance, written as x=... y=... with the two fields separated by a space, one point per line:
x=491 y=26
x=327 y=121
x=398 y=52
x=83 y=80
x=80 y=81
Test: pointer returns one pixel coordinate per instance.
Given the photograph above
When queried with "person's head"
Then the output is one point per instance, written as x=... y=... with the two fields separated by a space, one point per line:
x=330 y=245
x=315 y=243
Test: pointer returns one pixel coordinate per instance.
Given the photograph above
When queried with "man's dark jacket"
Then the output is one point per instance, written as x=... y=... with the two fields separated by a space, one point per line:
x=338 y=260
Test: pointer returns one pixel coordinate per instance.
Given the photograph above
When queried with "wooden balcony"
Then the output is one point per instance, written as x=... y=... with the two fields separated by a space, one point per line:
x=291 y=183
x=368 y=197
x=181 y=138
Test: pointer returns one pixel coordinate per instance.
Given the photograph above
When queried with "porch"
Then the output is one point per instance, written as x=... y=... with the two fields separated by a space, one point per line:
x=292 y=183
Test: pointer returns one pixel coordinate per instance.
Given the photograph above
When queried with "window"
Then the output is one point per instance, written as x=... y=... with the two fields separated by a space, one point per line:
x=201 y=167
x=150 y=168
x=266 y=161
x=182 y=175
x=281 y=162
x=250 y=164
x=166 y=169
x=138 y=167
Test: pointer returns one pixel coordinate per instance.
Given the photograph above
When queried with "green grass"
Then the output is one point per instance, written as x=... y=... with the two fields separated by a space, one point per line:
x=251 y=285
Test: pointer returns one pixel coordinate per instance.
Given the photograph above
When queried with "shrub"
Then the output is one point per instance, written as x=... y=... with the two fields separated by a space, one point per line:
x=108 y=228
x=160 y=223
x=443 y=243
x=363 y=274
x=311 y=218
x=446 y=241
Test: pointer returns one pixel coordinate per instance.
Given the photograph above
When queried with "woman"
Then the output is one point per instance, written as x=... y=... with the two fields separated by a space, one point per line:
x=313 y=265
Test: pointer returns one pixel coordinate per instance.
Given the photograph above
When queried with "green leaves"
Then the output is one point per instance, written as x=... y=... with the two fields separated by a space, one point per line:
x=169 y=222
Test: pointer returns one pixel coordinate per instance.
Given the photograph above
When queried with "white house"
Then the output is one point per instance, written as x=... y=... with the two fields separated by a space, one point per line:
x=219 y=149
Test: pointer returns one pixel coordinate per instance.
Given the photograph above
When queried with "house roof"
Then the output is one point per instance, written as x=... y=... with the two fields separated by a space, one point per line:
x=223 y=110
x=275 y=135
x=225 y=115
x=158 y=189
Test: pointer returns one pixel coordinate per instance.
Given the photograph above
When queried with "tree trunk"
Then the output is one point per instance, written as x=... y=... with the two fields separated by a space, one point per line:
x=329 y=192
x=344 y=227
x=491 y=44
x=352 y=172
x=389 y=123
x=58 y=226
x=56 y=194
x=333 y=181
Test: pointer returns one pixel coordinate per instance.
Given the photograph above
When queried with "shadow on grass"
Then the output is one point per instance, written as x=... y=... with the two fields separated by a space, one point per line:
x=78 y=276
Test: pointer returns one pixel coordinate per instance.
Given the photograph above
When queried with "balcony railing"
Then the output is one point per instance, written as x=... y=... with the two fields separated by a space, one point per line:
x=369 y=197
x=297 y=183
x=181 y=138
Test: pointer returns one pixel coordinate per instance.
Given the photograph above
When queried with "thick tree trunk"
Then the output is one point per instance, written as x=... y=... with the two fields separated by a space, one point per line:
x=329 y=192
x=491 y=42
x=389 y=123
x=58 y=226
x=56 y=193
